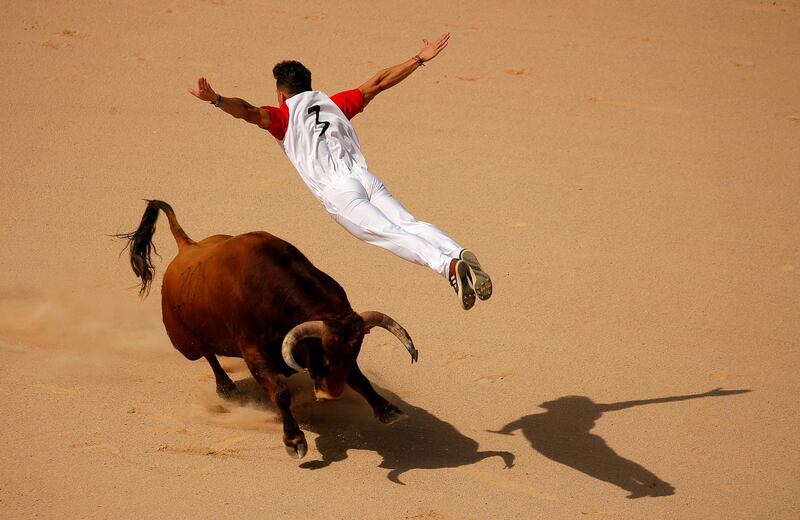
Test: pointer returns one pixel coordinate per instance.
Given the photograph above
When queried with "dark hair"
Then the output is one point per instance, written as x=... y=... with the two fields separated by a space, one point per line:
x=292 y=76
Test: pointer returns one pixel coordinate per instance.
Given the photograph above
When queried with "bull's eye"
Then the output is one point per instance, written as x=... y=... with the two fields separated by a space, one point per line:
x=324 y=365
x=319 y=363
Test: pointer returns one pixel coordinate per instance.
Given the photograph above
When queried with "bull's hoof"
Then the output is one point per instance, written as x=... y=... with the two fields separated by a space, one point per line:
x=298 y=450
x=226 y=391
x=296 y=445
x=392 y=415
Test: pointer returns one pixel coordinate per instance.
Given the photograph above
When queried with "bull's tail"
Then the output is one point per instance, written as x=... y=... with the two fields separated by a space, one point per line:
x=140 y=242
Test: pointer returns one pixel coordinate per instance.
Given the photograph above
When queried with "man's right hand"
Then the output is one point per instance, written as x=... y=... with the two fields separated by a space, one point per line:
x=430 y=50
x=204 y=91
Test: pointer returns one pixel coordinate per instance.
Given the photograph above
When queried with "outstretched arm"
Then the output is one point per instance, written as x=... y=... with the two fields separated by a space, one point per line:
x=390 y=77
x=238 y=108
x=717 y=392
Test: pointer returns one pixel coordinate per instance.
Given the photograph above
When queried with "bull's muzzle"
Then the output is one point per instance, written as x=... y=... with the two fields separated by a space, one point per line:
x=323 y=395
x=323 y=391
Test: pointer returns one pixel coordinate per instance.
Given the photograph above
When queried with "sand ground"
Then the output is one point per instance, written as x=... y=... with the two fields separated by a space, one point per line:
x=627 y=171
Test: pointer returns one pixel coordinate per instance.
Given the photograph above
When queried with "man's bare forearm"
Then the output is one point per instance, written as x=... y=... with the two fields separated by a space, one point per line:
x=391 y=76
x=236 y=107
x=241 y=109
x=387 y=78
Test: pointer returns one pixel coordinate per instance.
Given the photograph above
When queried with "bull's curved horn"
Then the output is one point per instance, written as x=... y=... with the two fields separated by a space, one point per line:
x=379 y=319
x=304 y=330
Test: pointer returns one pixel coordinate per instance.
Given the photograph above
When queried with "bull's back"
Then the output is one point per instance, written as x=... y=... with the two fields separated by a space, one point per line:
x=253 y=286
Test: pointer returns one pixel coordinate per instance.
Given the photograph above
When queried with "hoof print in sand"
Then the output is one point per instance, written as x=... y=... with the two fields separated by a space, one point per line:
x=54 y=45
x=492 y=378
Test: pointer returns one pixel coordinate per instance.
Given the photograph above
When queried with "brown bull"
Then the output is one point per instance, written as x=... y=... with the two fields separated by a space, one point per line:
x=257 y=297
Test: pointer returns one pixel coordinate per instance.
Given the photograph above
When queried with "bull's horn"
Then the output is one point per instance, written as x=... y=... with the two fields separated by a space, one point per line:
x=379 y=319
x=304 y=330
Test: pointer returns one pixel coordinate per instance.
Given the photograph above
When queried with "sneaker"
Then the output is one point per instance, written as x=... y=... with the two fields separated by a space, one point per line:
x=459 y=281
x=481 y=281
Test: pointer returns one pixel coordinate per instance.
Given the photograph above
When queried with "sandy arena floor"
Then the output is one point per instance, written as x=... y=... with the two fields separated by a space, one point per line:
x=629 y=173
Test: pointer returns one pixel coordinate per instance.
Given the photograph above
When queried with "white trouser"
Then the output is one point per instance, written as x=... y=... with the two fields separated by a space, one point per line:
x=362 y=205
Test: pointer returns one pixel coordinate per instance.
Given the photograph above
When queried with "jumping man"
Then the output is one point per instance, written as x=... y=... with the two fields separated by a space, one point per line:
x=317 y=136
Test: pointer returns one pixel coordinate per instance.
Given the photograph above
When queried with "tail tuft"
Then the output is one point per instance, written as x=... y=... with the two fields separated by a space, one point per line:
x=141 y=246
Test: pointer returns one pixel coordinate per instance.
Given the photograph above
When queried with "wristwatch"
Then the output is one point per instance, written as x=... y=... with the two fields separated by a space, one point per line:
x=217 y=102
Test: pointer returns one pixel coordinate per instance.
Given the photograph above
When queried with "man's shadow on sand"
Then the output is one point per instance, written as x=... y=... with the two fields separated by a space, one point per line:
x=423 y=441
x=562 y=434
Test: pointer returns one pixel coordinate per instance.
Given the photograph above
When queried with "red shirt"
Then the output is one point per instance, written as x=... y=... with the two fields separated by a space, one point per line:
x=350 y=102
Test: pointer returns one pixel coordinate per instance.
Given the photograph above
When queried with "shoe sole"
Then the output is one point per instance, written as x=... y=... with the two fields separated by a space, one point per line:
x=481 y=281
x=465 y=292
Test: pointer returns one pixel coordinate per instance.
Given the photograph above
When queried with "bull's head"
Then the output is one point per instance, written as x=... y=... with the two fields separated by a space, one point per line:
x=341 y=342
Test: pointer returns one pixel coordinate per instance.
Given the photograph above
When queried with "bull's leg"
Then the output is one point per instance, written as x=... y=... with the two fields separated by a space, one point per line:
x=386 y=412
x=293 y=437
x=225 y=387
x=275 y=385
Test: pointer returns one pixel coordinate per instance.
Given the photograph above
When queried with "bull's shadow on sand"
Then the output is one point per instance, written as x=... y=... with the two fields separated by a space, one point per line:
x=563 y=434
x=423 y=441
